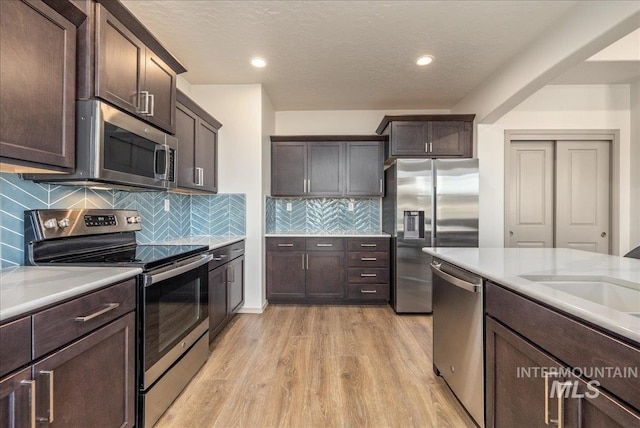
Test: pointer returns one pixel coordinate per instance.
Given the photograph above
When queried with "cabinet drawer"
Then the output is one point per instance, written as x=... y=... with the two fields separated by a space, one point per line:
x=236 y=249
x=570 y=341
x=285 y=244
x=368 y=275
x=221 y=256
x=368 y=244
x=372 y=259
x=15 y=345
x=66 y=322
x=325 y=244
x=368 y=291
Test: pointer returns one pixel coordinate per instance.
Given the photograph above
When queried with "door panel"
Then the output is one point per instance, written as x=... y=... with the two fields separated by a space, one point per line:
x=186 y=125
x=325 y=274
x=288 y=168
x=325 y=169
x=285 y=274
x=582 y=189
x=217 y=300
x=364 y=168
x=206 y=153
x=446 y=138
x=530 y=198
x=408 y=138
x=160 y=83
x=236 y=284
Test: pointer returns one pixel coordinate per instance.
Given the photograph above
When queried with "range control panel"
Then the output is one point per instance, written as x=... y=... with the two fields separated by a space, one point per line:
x=100 y=220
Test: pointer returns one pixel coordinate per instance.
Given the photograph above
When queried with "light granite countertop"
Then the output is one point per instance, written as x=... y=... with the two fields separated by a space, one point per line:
x=212 y=241
x=510 y=267
x=24 y=289
x=341 y=234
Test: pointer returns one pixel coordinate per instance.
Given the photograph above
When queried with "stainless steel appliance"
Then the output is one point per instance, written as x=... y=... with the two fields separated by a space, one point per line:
x=116 y=150
x=457 y=335
x=172 y=296
x=428 y=203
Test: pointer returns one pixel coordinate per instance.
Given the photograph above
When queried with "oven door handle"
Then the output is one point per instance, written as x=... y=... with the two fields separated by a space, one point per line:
x=171 y=271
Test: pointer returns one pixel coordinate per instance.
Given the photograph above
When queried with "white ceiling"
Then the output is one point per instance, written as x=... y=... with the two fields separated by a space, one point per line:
x=348 y=55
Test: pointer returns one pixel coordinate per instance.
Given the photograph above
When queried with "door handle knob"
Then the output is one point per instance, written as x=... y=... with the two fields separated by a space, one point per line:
x=603 y=234
x=511 y=233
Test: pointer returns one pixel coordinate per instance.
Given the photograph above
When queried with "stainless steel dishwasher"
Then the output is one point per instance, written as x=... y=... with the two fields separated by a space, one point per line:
x=457 y=335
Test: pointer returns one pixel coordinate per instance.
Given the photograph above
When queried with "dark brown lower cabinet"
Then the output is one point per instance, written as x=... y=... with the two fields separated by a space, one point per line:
x=90 y=382
x=528 y=384
x=325 y=274
x=17 y=395
x=226 y=286
x=285 y=274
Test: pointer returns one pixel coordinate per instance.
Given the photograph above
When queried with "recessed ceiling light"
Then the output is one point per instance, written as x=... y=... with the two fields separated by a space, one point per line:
x=258 y=62
x=424 y=60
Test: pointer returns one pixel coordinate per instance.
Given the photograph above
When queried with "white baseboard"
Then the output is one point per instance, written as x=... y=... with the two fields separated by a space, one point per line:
x=245 y=310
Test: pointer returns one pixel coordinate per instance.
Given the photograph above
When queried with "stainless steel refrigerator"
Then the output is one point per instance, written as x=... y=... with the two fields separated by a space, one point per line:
x=428 y=203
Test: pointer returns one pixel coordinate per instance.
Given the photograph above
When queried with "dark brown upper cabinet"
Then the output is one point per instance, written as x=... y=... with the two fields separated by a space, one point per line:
x=37 y=105
x=327 y=166
x=197 y=134
x=430 y=136
x=130 y=75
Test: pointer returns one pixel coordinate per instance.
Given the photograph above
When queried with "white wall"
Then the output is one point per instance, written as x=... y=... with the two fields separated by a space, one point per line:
x=553 y=107
x=337 y=122
x=634 y=214
x=239 y=108
x=268 y=129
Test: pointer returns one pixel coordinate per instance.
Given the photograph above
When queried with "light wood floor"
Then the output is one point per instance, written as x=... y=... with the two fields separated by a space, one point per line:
x=319 y=366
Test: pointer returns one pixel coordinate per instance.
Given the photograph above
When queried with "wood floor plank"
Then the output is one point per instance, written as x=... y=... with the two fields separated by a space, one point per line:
x=320 y=366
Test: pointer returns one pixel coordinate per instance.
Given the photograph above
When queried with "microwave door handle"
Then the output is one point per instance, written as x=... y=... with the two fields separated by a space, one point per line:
x=161 y=148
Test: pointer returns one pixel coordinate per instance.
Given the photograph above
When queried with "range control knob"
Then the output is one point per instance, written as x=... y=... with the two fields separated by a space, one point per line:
x=138 y=219
x=132 y=220
x=50 y=224
x=63 y=223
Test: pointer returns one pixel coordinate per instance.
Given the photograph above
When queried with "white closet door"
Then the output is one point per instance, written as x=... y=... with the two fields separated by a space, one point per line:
x=582 y=195
x=530 y=204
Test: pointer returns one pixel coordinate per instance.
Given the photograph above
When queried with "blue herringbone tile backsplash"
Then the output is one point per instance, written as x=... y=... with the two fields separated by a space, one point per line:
x=188 y=215
x=322 y=215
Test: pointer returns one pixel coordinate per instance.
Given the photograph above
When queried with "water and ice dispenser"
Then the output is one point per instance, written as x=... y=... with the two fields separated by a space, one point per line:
x=414 y=225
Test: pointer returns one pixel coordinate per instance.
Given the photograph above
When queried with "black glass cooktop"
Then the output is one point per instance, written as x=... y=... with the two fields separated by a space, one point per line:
x=144 y=256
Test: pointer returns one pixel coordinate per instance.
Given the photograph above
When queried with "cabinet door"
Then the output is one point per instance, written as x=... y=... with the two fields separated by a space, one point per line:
x=235 y=284
x=160 y=84
x=285 y=274
x=217 y=300
x=325 y=169
x=325 y=274
x=288 y=169
x=450 y=138
x=186 y=129
x=409 y=138
x=120 y=63
x=17 y=400
x=92 y=381
x=206 y=155
x=365 y=163
x=37 y=77
x=517 y=392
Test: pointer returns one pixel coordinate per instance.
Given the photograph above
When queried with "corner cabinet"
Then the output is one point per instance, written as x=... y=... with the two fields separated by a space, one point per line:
x=197 y=134
x=531 y=351
x=430 y=136
x=226 y=286
x=327 y=270
x=38 y=81
x=83 y=368
x=327 y=166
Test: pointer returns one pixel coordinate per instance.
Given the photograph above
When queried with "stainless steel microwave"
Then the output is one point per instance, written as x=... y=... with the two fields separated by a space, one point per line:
x=116 y=150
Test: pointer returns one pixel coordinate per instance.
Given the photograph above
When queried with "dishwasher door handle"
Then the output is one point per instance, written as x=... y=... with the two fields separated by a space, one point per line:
x=458 y=282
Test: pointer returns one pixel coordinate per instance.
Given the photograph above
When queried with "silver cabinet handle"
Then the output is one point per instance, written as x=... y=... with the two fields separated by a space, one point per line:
x=307 y=261
x=146 y=102
x=368 y=275
x=308 y=185
x=302 y=261
x=32 y=402
x=561 y=389
x=426 y=147
x=368 y=291
x=199 y=176
x=430 y=147
x=368 y=259
x=324 y=245
x=153 y=104
x=281 y=245
x=108 y=308
x=546 y=398
x=304 y=186
x=381 y=185
x=368 y=245
x=220 y=257
x=458 y=282
x=49 y=374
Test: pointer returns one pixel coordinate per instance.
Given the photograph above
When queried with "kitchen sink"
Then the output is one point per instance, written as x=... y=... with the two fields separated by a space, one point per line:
x=614 y=294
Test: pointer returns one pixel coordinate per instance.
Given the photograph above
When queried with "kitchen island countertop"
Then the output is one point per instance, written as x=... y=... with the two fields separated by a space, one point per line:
x=24 y=289
x=507 y=266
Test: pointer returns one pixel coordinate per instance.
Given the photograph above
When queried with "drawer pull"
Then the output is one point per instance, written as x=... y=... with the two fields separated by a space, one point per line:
x=368 y=259
x=240 y=249
x=368 y=291
x=285 y=245
x=324 y=245
x=220 y=257
x=109 y=307
x=368 y=275
x=368 y=245
x=49 y=374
